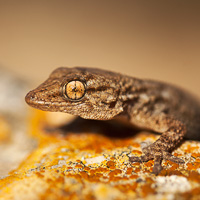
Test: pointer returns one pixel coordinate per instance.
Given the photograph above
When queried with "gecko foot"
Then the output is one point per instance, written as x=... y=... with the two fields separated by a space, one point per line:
x=153 y=152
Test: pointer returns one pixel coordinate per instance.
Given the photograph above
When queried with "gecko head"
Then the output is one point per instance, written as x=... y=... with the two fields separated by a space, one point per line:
x=86 y=92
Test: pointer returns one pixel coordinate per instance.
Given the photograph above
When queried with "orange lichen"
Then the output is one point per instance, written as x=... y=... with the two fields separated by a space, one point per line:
x=84 y=174
x=112 y=158
x=169 y=172
x=79 y=166
x=195 y=155
x=102 y=169
x=135 y=164
x=174 y=166
x=126 y=188
x=129 y=170
x=111 y=164
x=194 y=176
x=94 y=178
x=133 y=176
x=86 y=168
x=136 y=152
x=115 y=172
x=136 y=145
x=196 y=191
x=148 y=164
x=147 y=189
x=190 y=149
x=198 y=160
x=67 y=166
x=137 y=170
x=191 y=166
x=177 y=154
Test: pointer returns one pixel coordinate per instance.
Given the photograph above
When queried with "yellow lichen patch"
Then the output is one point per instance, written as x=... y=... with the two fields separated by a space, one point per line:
x=88 y=164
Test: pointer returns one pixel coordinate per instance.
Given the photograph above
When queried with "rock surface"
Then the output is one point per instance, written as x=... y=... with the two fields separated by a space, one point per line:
x=90 y=160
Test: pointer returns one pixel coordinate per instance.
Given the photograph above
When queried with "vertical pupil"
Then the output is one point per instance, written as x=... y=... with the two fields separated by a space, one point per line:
x=74 y=89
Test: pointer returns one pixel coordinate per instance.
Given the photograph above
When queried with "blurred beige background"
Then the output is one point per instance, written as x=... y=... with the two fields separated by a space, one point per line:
x=150 y=39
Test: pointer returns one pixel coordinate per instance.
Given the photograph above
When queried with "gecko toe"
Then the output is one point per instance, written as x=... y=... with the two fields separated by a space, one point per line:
x=140 y=159
x=168 y=156
x=157 y=163
x=157 y=169
x=153 y=152
x=135 y=159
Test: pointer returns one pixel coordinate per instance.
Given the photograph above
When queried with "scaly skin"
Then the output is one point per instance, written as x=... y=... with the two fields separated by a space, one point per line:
x=101 y=95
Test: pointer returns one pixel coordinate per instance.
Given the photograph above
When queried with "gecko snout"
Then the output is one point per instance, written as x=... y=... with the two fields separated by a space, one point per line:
x=30 y=98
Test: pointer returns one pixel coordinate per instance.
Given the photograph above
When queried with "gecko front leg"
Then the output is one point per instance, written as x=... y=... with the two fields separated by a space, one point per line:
x=162 y=147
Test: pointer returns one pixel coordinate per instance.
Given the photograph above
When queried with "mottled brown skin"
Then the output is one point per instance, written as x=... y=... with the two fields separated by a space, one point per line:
x=147 y=104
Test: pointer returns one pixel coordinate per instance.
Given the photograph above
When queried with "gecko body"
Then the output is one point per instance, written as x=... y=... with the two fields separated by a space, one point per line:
x=102 y=95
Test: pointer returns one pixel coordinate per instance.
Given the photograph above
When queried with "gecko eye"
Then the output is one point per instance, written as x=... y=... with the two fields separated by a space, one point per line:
x=74 y=90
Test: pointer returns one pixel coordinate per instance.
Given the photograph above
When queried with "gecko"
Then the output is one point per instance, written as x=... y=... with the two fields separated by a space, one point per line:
x=102 y=95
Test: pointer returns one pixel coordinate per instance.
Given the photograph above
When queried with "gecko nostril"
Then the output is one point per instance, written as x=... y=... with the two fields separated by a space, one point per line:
x=30 y=97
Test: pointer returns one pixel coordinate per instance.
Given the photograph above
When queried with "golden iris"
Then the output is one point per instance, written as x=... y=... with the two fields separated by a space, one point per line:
x=74 y=90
